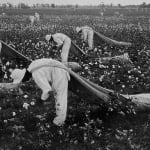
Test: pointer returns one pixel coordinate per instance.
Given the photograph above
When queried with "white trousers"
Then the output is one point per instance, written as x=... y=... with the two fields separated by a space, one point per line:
x=90 y=39
x=65 y=50
x=56 y=79
x=87 y=36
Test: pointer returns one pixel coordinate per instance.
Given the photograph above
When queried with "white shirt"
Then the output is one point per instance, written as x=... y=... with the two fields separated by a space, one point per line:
x=60 y=38
x=45 y=71
x=85 y=31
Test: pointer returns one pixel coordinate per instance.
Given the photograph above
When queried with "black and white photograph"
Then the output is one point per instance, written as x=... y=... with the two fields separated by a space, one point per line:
x=74 y=75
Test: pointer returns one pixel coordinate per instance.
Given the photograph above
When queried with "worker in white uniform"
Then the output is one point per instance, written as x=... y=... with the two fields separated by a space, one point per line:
x=87 y=35
x=61 y=40
x=49 y=75
x=37 y=17
x=32 y=19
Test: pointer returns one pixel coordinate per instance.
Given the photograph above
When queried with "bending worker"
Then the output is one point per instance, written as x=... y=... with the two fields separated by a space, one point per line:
x=87 y=35
x=61 y=40
x=49 y=75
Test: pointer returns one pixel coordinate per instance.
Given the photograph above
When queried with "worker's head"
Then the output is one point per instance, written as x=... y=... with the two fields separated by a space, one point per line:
x=48 y=37
x=17 y=75
x=78 y=29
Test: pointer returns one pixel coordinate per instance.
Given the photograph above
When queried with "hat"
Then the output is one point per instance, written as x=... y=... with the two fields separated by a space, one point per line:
x=48 y=37
x=78 y=29
x=17 y=75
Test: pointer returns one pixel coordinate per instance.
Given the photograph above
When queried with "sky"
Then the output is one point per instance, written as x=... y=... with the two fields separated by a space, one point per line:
x=79 y=2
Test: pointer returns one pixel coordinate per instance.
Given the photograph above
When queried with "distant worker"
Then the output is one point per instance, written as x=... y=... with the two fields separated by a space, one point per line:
x=60 y=40
x=102 y=13
x=87 y=35
x=140 y=27
x=32 y=19
x=37 y=17
x=90 y=36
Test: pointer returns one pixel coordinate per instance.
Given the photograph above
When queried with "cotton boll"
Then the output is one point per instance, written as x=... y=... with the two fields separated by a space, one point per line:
x=123 y=86
x=25 y=96
x=25 y=105
x=14 y=114
x=32 y=103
